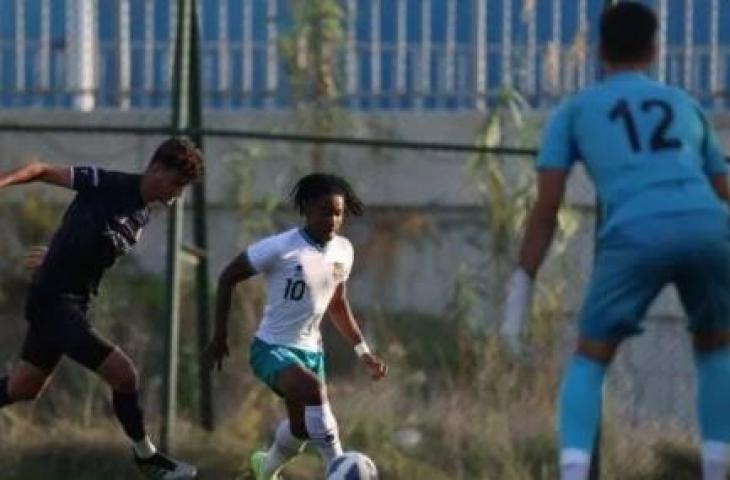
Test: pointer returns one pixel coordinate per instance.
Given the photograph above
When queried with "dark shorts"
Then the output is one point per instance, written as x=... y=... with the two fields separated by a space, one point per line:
x=59 y=325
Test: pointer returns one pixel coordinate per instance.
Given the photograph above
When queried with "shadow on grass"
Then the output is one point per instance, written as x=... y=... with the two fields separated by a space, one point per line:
x=86 y=461
x=672 y=462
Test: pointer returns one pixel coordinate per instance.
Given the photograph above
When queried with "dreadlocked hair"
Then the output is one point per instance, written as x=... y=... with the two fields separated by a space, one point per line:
x=180 y=153
x=317 y=185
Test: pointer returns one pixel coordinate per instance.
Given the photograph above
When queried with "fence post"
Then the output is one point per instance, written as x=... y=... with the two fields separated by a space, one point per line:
x=186 y=114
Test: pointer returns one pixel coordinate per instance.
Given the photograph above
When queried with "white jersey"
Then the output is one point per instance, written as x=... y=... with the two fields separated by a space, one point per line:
x=301 y=278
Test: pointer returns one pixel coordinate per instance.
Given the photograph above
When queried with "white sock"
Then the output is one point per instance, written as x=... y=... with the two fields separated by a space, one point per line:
x=285 y=447
x=322 y=429
x=714 y=460
x=575 y=464
x=144 y=448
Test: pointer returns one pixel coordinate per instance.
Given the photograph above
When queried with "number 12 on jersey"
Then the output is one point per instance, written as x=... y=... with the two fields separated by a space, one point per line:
x=659 y=139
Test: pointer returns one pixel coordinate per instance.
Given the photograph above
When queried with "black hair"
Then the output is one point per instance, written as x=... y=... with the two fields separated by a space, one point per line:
x=316 y=185
x=628 y=30
x=180 y=153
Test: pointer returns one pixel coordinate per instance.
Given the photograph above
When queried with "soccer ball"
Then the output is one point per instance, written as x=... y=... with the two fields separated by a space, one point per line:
x=352 y=466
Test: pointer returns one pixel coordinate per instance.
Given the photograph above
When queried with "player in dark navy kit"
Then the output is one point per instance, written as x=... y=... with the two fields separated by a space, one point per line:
x=103 y=222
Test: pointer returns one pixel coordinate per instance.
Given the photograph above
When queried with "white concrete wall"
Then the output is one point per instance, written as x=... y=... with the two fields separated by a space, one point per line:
x=424 y=216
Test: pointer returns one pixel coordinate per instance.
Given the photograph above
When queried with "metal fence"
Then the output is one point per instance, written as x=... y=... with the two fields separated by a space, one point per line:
x=396 y=54
x=425 y=230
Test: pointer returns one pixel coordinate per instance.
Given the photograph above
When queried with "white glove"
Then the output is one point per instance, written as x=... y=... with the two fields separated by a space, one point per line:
x=516 y=307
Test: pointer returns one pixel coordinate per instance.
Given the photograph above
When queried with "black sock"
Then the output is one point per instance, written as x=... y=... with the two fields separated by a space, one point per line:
x=4 y=394
x=129 y=413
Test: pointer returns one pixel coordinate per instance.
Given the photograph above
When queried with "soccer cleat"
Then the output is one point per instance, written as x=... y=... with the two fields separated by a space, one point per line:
x=161 y=467
x=258 y=460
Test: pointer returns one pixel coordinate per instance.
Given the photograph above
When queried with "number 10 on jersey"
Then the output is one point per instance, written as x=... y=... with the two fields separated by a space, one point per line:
x=294 y=289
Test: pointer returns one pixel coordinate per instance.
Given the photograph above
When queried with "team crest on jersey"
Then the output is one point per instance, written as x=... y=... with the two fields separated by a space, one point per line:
x=338 y=272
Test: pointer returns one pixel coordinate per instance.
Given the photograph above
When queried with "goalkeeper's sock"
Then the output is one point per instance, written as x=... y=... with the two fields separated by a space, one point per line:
x=714 y=460
x=713 y=402
x=574 y=467
x=579 y=413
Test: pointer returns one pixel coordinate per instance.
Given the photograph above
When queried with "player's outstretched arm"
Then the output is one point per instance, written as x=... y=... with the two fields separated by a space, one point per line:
x=541 y=224
x=38 y=172
x=238 y=270
x=341 y=315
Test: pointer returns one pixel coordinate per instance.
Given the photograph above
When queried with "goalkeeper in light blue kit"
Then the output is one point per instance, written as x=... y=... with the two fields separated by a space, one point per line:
x=660 y=176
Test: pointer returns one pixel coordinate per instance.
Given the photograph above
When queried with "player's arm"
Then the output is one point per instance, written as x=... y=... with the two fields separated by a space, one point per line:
x=341 y=315
x=542 y=220
x=238 y=270
x=539 y=233
x=557 y=154
x=38 y=172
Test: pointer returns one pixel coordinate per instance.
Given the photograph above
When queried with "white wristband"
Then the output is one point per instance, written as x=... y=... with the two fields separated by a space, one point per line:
x=362 y=348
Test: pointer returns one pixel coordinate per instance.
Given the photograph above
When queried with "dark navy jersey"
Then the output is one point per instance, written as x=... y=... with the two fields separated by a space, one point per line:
x=103 y=222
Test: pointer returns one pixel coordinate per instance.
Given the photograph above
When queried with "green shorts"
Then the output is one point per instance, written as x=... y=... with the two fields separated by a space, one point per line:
x=267 y=360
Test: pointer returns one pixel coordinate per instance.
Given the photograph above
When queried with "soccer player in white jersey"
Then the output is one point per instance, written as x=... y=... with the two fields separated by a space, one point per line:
x=305 y=270
x=660 y=176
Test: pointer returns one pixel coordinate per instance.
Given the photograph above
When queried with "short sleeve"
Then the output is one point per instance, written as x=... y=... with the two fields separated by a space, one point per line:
x=86 y=178
x=713 y=158
x=262 y=254
x=557 y=148
x=348 y=256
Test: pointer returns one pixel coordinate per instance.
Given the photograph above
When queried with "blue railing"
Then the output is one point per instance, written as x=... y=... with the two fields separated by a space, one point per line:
x=398 y=54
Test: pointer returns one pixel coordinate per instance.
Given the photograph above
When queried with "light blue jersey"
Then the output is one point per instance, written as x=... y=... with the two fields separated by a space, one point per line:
x=647 y=147
x=649 y=150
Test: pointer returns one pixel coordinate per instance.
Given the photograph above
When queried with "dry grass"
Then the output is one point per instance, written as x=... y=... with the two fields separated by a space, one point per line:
x=460 y=432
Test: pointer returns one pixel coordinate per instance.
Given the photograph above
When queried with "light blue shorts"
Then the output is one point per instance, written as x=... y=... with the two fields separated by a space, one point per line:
x=635 y=261
x=268 y=360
